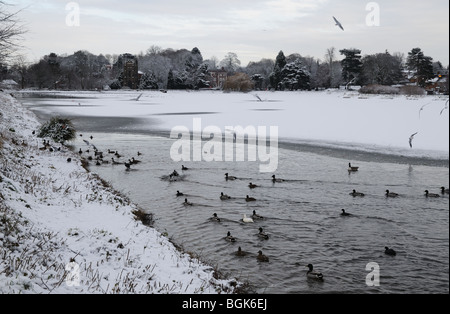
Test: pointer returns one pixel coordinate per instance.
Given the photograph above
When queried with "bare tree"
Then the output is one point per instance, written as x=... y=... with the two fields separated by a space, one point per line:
x=10 y=32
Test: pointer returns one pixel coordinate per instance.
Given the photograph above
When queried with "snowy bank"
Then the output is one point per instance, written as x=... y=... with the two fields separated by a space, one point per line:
x=63 y=230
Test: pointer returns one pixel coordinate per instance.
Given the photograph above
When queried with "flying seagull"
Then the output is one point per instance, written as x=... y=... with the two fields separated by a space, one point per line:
x=421 y=109
x=446 y=107
x=338 y=23
x=411 y=139
x=139 y=97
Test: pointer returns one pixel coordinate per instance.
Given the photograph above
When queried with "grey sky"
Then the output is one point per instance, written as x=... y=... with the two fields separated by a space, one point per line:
x=253 y=29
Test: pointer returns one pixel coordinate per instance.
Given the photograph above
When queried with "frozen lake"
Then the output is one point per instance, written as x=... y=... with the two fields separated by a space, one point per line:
x=320 y=133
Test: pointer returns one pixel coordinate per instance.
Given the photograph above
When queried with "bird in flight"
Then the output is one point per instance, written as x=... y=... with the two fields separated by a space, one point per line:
x=411 y=139
x=445 y=108
x=338 y=23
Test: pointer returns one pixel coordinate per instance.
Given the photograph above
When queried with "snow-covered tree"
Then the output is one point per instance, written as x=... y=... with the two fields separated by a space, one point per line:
x=351 y=65
x=420 y=65
x=231 y=62
x=294 y=76
x=275 y=76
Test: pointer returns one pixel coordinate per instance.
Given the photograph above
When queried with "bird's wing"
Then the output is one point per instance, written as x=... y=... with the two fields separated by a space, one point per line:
x=338 y=23
x=259 y=98
x=411 y=139
x=446 y=107
x=139 y=97
x=87 y=143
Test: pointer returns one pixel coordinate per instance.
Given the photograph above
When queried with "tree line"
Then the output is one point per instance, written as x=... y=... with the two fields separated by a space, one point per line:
x=187 y=69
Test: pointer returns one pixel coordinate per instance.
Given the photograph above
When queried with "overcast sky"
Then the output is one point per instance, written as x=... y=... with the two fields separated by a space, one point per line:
x=253 y=29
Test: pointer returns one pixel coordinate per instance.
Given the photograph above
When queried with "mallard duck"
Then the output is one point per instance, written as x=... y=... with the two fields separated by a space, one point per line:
x=262 y=234
x=262 y=258
x=389 y=251
x=390 y=194
x=230 y=238
x=344 y=213
x=186 y=203
x=313 y=274
x=355 y=194
x=215 y=218
x=351 y=168
x=247 y=219
x=274 y=179
x=179 y=194
x=250 y=199
x=433 y=195
x=444 y=190
x=224 y=197
x=252 y=186
x=228 y=177
x=256 y=216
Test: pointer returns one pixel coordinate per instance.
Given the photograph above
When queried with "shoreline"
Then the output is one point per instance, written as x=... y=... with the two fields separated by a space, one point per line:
x=60 y=219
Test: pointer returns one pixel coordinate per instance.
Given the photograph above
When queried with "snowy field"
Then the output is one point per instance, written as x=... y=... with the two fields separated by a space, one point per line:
x=63 y=231
x=337 y=118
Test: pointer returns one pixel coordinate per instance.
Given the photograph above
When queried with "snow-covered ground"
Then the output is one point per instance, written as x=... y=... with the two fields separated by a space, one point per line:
x=338 y=118
x=63 y=231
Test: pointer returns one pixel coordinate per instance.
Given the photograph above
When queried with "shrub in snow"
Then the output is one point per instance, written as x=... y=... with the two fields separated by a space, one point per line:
x=379 y=89
x=58 y=129
x=410 y=90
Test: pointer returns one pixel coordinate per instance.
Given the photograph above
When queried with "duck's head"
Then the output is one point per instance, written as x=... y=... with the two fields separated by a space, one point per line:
x=260 y=229
x=310 y=267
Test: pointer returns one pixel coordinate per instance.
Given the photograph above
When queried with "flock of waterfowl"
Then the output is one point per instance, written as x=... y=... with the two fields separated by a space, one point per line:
x=99 y=159
x=311 y=273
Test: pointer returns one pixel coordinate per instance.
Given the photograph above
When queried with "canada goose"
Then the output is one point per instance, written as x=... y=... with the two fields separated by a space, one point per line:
x=313 y=274
x=139 y=153
x=352 y=169
x=179 y=194
x=428 y=194
x=118 y=155
x=262 y=234
x=344 y=213
x=128 y=165
x=389 y=251
x=227 y=177
x=175 y=174
x=115 y=162
x=215 y=218
x=240 y=252
x=390 y=194
x=252 y=186
x=247 y=219
x=274 y=179
x=444 y=190
x=262 y=258
x=230 y=238
x=224 y=197
x=186 y=203
x=184 y=168
x=111 y=152
x=79 y=152
x=256 y=216
x=250 y=199
x=355 y=194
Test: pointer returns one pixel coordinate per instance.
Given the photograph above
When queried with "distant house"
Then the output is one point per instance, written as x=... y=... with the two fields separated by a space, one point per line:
x=127 y=65
x=438 y=85
x=218 y=77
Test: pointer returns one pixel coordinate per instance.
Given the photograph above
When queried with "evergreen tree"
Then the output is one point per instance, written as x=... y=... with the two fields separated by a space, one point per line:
x=275 y=76
x=170 y=80
x=351 y=65
x=295 y=76
x=420 y=65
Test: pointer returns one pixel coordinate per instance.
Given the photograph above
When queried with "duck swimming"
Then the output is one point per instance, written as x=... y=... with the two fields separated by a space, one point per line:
x=444 y=190
x=344 y=213
x=390 y=194
x=252 y=186
x=274 y=179
x=230 y=238
x=224 y=197
x=186 y=203
x=250 y=199
x=179 y=194
x=256 y=216
x=240 y=252
x=228 y=177
x=313 y=274
x=389 y=251
x=215 y=218
x=184 y=168
x=433 y=195
x=262 y=258
x=262 y=234
x=355 y=194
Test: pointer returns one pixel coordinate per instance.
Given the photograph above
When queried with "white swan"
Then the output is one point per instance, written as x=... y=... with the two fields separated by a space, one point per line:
x=247 y=219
